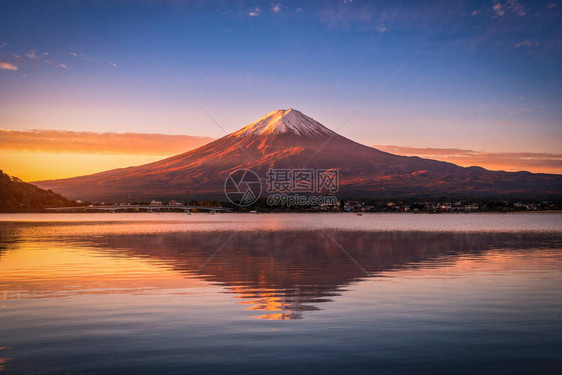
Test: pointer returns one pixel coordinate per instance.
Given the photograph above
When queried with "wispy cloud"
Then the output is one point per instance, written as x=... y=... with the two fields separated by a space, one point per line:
x=510 y=6
x=527 y=43
x=516 y=8
x=517 y=111
x=98 y=143
x=4 y=65
x=507 y=161
x=81 y=56
x=499 y=9
x=33 y=58
x=84 y=57
x=276 y=8
x=254 y=12
x=382 y=28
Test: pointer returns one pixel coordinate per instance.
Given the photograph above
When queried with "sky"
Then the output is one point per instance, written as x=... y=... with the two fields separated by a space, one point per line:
x=477 y=76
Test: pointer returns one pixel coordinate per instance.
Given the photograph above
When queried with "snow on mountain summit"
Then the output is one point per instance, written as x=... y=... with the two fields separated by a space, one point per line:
x=287 y=139
x=285 y=121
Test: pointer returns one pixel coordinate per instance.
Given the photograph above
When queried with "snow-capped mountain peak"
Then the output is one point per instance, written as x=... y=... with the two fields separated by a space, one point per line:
x=285 y=121
x=287 y=139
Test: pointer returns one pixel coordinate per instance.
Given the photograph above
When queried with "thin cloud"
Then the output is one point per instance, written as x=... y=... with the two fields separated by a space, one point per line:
x=499 y=9
x=254 y=12
x=82 y=56
x=382 y=28
x=35 y=58
x=98 y=143
x=527 y=43
x=4 y=65
x=276 y=8
x=507 y=161
x=517 y=111
x=511 y=6
x=516 y=8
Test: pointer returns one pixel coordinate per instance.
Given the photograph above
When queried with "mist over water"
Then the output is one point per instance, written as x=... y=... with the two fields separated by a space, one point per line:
x=303 y=293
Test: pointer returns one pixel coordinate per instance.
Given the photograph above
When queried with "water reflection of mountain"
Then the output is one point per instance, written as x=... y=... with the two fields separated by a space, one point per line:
x=281 y=274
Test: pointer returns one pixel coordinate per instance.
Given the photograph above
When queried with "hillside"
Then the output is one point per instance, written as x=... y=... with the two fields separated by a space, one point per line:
x=19 y=196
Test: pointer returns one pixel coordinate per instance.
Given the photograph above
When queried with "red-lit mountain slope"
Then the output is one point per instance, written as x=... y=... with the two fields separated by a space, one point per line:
x=290 y=139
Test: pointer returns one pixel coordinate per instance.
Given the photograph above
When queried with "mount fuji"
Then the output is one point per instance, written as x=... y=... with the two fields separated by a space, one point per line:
x=290 y=139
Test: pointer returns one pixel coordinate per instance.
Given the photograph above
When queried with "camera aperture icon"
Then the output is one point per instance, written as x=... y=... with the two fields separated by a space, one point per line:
x=242 y=187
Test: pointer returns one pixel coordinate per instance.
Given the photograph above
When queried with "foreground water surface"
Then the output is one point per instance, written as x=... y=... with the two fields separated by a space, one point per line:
x=278 y=293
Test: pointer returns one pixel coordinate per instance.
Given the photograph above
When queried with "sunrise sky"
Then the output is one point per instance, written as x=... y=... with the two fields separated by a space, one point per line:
x=85 y=85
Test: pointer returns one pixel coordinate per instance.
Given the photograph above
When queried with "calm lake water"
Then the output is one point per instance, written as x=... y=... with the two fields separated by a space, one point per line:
x=281 y=293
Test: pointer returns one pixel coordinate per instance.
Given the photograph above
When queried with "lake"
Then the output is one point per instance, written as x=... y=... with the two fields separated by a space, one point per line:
x=281 y=293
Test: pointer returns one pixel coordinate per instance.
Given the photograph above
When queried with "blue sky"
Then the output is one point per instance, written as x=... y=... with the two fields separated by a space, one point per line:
x=482 y=75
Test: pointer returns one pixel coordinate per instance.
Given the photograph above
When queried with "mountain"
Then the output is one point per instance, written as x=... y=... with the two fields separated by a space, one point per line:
x=290 y=139
x=19 y=196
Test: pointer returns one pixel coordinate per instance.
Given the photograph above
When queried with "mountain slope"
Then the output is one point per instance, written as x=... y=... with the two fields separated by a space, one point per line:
x=289 y=139
x=19 y=196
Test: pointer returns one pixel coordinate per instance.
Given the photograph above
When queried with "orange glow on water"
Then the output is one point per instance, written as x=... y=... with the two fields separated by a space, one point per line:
x=36 y=272
x=272 y=276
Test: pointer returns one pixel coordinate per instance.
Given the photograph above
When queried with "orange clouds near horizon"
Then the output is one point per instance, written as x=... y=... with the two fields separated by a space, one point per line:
x=506 y=161
x=34 y=155
x=97 y=143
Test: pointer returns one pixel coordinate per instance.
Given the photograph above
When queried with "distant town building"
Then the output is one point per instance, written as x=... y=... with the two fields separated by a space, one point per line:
x=471 y=207
x=175 y=203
